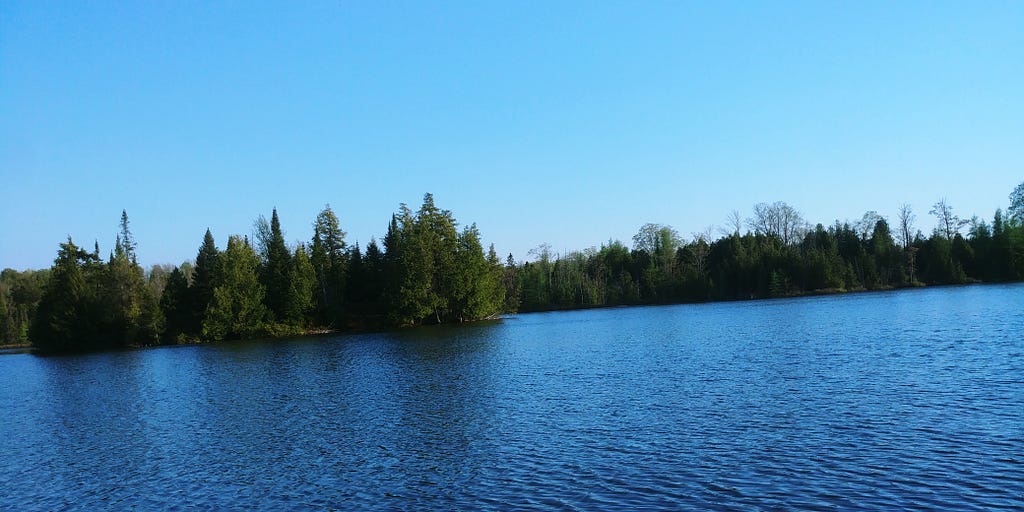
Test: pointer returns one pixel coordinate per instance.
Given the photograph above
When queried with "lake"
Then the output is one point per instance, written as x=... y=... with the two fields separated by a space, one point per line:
x=894 y=400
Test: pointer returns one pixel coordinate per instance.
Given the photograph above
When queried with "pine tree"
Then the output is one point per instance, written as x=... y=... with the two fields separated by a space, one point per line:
x=127 y=244
x=275 y=270
x=132 y=316
x=175 y=303
x=204 y=279
x=373 y=279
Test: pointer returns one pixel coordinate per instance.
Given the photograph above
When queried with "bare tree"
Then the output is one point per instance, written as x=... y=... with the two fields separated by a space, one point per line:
x=733 y=224
x=949 y=223
x=779 y=220
x=906 y=219
x=701 y=248
x=866 y=225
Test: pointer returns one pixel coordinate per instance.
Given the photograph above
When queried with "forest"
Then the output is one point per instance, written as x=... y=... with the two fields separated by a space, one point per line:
x=428 y=271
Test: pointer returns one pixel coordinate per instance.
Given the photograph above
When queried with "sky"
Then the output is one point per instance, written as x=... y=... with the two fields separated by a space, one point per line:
x=568 y=123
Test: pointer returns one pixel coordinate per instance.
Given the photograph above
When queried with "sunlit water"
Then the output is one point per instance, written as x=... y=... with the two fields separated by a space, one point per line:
x=902 y=400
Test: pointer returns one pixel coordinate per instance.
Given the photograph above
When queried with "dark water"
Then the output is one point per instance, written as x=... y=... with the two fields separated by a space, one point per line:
x=903 y=400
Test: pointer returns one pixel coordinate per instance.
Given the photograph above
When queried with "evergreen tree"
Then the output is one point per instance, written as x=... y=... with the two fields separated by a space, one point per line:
x=328 y=260
x=275 y=271
x=132 y=314
x=175 y=303
x=126 y=244
x=237 y=309
x=477 y=281
x=436 y=243
x=510 y=280
x=204 y=279
x=393 y=268
x=372 y=282
x=302 y=283
x=57 y=325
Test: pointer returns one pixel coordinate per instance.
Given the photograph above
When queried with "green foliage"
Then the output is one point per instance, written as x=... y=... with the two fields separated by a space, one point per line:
x=1016 y=209
x=19 y=297
x=237 y=309
x=435 y=274
x=329 y=262
x=301 y=280
x=176 y=305
x=204 y=280
x=133 y=314
x=431 y=272
x=276 y=272
x=59 y=324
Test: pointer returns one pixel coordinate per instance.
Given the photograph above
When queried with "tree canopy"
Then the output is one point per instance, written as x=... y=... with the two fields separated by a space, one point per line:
x=429 y=270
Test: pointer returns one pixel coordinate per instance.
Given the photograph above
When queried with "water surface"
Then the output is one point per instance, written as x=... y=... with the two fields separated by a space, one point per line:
x=900 y=400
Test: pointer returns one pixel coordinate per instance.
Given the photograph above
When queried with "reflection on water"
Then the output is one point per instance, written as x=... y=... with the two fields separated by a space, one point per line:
x=877 y=401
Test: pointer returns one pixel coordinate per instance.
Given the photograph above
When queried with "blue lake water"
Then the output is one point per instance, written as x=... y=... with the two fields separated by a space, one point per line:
x=899 y=400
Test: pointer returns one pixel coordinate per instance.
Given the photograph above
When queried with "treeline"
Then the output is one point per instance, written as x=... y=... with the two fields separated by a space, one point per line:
x=779 y=255
x=429 y=271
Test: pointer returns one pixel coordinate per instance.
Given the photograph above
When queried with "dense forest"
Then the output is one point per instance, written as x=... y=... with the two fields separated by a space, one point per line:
x=428 y=271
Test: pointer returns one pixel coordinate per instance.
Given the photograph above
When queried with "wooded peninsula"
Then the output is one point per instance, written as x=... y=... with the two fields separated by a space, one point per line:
x=427 y=271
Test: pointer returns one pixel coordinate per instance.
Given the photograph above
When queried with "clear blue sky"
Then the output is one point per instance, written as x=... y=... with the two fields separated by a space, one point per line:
x=563 y=122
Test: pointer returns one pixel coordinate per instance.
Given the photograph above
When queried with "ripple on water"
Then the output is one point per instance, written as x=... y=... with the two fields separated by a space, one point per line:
x=877 y=401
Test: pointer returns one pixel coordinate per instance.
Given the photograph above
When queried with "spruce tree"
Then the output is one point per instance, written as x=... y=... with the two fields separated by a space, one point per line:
x=175 y=303
x=132 y=316
x=57 y=323
x=204 y=280
x=275 y=270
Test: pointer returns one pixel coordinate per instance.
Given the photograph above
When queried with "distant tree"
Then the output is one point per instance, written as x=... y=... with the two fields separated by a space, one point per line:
x=866 y=225
x=657 y=239
x=510 y=279
x=23 y=292
x=327 y=255
x=132 y=312
x=733 y=224
x=237 y=309
x=204 y=279
x=477 y=290
x=885 y=254
x=127 y=243
x=778 y=220
x=1016 y=209
x=302 y=283
x=175 y=303
x=906 y=219
x=275 y=270
x=58 y=324
x=949 y=223
x=699 y=251
x=6 y=333
x=156 y=279
x=374 y=282
x=429 y=261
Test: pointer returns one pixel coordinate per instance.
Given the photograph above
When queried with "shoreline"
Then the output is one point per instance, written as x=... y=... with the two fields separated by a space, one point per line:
x=358 y=328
